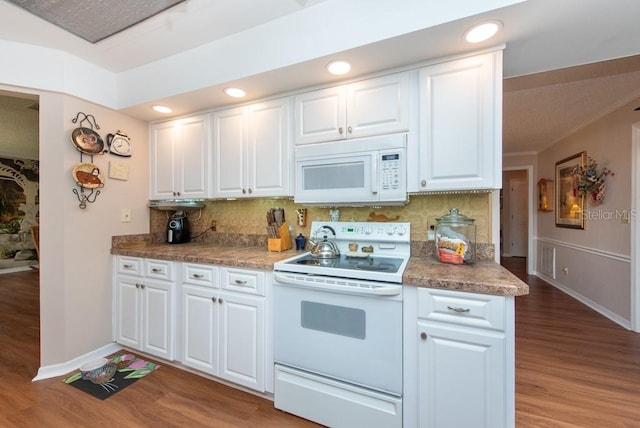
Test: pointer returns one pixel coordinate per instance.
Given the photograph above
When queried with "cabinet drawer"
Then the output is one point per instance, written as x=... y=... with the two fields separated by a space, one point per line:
x=456 y=307
x=203 y=275
x=129 y=265
x=243 y=281
x=159 y=269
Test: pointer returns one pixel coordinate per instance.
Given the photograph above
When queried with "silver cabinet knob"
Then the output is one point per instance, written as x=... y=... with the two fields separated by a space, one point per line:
x=213 y=299
x=423 y=336
x=142 y=286
x=350 y=130
x=250 y=191
x=220 y=300
x=423 y=183
x=340 y=130
x=244 y=191
x=197 y=276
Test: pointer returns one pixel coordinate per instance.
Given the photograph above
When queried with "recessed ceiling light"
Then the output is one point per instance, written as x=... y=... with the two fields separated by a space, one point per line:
x=235 y=92
x=483 y=31
x=162 y=109
x=338 y=67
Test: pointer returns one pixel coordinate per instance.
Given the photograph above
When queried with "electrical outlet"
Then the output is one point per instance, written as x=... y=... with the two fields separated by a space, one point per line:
x=125 y=215
x=565 y=270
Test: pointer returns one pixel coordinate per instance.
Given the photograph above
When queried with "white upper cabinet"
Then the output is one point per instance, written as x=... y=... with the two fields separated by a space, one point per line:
x=252 y=153
x=460 y=125
x=369 y=107
x=179 y=153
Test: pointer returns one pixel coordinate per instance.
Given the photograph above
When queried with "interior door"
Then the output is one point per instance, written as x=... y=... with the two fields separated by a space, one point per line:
x=518 y=220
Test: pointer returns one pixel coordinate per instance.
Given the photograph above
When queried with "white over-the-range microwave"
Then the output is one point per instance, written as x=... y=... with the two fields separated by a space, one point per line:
x=365 y=171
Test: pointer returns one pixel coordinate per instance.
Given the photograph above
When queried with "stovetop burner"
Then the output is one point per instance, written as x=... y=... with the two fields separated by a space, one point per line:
x=378 y=264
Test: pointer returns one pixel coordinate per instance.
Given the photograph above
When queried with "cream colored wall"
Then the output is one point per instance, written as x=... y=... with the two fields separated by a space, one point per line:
x=248 y=216
x=75 y=279
x=598 y=257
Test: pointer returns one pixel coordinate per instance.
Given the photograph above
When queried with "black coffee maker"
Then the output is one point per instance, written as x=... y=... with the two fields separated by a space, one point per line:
x=178 y=231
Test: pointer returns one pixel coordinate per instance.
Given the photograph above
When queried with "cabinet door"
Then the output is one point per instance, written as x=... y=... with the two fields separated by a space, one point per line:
x=229 y=142
x=320 y=115
x=461 y=379
x=461 y=124
x=242 y=336
x=128 y=316
x=195 y=141
x=157 y=319
x=199 y=328
x=163 y=184
x=269 y=161
x=378 y=106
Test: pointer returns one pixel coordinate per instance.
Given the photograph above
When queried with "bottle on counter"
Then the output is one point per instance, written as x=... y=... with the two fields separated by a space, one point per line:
x=456 y=238
x=301 y=242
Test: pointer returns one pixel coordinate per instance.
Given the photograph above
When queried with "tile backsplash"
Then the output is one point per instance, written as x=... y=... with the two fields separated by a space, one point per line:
x=247 y=216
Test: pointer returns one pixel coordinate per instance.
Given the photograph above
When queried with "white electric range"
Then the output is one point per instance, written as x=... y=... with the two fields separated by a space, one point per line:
x=338 y=327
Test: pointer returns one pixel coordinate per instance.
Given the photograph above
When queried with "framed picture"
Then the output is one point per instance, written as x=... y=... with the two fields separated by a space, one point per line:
x=569 y=205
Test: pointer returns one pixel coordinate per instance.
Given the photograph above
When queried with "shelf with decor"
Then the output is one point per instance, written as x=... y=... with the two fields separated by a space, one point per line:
x=545 y=195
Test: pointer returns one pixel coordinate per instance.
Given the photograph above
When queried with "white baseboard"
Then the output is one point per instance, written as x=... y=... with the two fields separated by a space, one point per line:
x=586 y=301
x=55 y=370
x=16 y=269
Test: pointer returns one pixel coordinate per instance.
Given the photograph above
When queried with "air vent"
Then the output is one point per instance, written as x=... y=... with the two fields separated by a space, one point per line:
x=548 y=262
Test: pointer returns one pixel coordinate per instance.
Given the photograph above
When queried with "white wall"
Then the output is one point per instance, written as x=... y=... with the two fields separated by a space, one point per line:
x=598 y=257
x=75 y=264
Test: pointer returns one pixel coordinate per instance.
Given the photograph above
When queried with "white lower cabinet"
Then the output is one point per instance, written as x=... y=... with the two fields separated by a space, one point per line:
x=459 y=359
x=145 y=314
x=223 y=323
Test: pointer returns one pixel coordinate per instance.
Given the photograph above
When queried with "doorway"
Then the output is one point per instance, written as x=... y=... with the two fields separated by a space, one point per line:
x=516 y=214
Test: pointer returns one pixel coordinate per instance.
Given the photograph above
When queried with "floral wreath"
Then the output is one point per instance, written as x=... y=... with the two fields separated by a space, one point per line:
x=590 y=180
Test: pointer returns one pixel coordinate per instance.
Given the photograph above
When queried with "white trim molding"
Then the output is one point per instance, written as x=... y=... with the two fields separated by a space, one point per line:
x=635 y=230
x=55 y=370
x=596 y=252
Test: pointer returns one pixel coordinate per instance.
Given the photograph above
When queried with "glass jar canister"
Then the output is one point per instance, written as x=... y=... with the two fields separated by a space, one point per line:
x=456 y=238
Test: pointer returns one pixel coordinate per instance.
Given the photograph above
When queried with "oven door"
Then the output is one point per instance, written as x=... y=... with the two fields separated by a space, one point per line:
x=353 y=338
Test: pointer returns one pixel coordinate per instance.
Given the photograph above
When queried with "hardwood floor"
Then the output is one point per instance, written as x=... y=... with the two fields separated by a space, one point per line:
x=169 y=397
x=574 y=368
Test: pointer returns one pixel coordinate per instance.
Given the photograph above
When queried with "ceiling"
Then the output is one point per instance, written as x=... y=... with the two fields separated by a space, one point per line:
x=562 y=68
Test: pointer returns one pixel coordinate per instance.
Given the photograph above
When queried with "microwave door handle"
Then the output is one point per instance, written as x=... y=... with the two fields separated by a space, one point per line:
x=374 y=173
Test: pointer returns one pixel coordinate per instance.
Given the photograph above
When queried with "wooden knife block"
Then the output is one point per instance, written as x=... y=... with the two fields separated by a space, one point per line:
x=280 y=244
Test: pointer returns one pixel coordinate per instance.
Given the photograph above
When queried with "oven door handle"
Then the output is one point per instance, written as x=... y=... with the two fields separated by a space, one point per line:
x=318 y=284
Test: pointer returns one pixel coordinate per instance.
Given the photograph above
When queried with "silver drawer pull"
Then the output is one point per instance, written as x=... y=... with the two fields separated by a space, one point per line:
x=156 y=270
x=197 y=276
x=240 y=282
x=459 y=310
x=127 y=266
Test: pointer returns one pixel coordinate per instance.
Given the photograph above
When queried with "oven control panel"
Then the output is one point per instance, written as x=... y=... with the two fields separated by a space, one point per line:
x=371 y=231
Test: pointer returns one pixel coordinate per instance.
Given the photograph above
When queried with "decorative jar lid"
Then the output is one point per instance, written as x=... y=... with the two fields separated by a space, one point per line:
x=454 y=217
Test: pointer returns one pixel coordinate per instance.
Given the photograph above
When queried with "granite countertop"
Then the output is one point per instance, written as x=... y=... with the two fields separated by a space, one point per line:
x=249 y=257
x=486 y=277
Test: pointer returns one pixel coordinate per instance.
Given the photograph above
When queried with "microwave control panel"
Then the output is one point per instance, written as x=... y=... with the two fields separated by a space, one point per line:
x=391 y=170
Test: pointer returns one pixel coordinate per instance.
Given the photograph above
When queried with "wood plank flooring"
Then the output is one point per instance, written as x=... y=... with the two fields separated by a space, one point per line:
x=574 y=368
